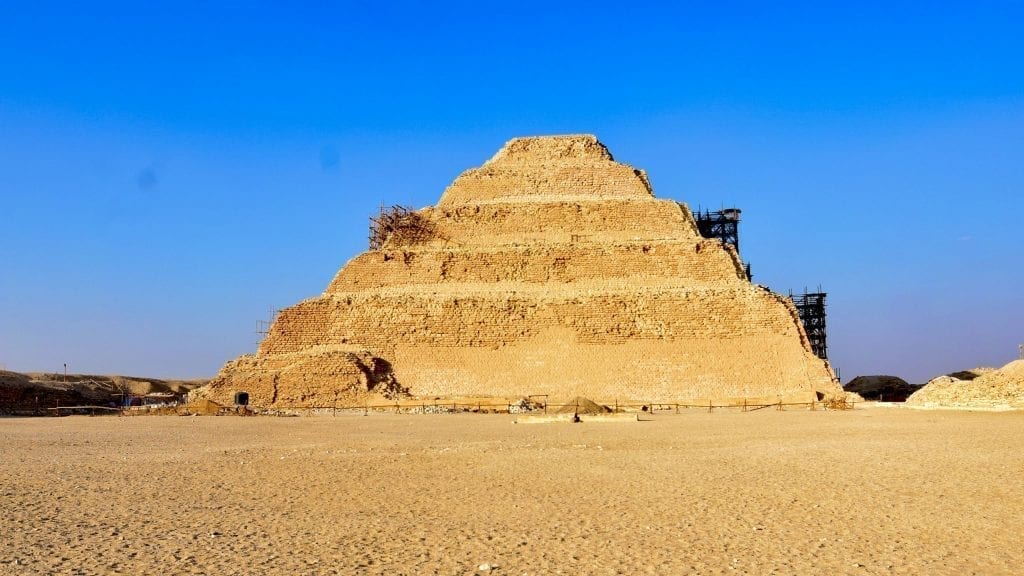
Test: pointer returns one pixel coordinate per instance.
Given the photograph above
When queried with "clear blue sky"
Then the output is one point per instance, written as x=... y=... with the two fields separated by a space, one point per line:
x=170 y=173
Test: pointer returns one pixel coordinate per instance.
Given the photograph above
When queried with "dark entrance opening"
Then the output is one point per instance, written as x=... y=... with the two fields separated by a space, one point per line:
x=241 y=398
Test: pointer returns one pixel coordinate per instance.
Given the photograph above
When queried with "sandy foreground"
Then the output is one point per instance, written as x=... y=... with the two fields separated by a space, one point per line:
x=872 y=491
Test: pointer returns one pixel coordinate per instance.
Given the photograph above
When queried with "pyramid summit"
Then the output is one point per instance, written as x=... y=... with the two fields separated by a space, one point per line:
x=543 y=168
x=550 y=269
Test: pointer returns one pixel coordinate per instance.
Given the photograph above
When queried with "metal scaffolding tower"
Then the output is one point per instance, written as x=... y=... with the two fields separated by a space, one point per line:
x=404 y=224
x=724 y=225
x=811 y=308
x=263 y=326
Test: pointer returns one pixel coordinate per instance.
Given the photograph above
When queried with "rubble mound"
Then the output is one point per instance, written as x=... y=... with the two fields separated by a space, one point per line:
x=551 y=270
x=321 y=377
x=971 y=374
x=203 y=407
x=1002 y=388
x=580 y=405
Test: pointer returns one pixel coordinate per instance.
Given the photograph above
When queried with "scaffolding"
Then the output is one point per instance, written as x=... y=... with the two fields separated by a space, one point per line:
x=401 y=225
x=723 y=225
x=263 y=326
x=811 y=308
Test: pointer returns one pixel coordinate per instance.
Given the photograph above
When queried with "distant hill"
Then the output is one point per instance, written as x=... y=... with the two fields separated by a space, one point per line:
x=34 y=392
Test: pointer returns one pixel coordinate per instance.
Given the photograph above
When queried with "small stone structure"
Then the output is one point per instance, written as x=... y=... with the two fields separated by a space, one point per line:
x=551 y=269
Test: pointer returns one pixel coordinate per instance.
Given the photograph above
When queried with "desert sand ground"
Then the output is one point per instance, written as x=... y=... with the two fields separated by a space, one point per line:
x=870 y=491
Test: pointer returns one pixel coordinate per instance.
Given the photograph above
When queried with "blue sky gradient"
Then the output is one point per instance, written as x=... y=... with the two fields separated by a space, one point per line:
x=169 y=173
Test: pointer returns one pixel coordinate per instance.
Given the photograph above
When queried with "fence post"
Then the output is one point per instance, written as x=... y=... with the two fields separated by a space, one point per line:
x=744 y=404
x=780 y=405
x=709 y=406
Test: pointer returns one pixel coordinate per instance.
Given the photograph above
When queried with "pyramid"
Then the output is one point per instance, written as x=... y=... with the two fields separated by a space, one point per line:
x=550 y=269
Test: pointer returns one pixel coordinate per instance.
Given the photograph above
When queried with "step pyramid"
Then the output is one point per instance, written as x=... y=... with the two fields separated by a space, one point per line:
x=549 y=270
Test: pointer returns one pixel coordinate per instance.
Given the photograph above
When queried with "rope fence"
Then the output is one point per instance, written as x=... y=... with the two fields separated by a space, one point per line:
x=525 y=406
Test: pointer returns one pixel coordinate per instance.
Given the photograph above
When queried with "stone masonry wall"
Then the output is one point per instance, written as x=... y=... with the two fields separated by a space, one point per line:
x=489 y=319
x=697 y=262
x=554 y=219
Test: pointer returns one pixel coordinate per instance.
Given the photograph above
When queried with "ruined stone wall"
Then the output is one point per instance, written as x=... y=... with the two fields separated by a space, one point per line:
x=554 y=219
x=654 y=345
x=315 y=377
x=552 y=270
x=554 y=364
x=378 y=321
x=645 y=263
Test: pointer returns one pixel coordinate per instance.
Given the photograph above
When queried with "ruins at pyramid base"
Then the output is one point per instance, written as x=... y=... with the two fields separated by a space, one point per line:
x=549 y=270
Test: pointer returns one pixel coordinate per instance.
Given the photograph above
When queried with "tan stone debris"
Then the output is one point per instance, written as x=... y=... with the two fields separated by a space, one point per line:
x=981 y=388
x=551 y=269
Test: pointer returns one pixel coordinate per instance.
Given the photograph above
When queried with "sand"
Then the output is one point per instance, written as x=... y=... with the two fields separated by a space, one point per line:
x=868 y=491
